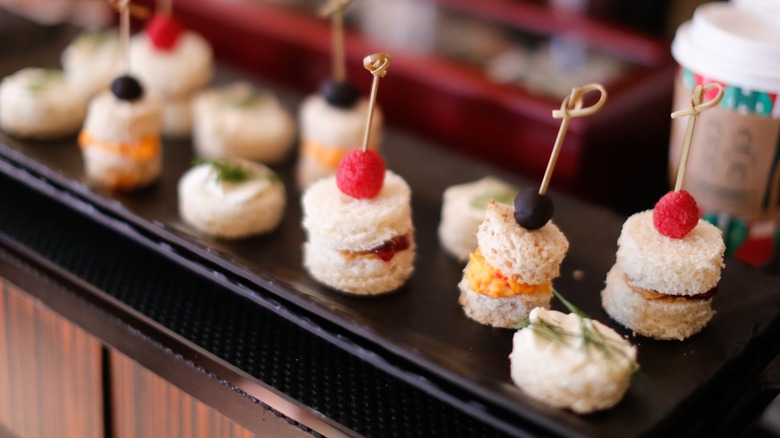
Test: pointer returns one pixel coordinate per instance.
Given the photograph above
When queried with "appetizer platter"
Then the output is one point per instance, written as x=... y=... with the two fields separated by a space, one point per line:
x=421 y=323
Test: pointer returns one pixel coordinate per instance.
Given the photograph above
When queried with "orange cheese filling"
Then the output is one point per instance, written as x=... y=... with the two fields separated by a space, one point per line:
x=144 y=150
x=487 y=280
x=325 y=155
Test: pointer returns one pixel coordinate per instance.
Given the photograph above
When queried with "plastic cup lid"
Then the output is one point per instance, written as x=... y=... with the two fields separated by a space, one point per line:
x=769 y=7
x=731 y=44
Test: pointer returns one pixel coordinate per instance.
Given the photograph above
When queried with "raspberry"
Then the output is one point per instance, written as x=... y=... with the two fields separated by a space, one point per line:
x=675 y=214
x=361 y=174
x=164 y=31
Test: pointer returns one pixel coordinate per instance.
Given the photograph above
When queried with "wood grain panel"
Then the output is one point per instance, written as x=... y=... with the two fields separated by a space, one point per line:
x=50 y=371
x=145 y=405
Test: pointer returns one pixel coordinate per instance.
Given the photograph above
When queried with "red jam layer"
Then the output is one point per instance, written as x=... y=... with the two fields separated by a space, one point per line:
x=385 y=251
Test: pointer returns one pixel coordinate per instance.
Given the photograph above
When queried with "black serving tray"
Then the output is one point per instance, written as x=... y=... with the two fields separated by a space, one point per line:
x=421 y=324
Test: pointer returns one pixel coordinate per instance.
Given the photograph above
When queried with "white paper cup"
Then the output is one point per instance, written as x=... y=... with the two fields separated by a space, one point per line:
x=733 y=169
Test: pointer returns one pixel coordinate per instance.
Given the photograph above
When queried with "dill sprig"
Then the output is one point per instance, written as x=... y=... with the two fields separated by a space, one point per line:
x=226 y=170
x=572 y=308
x=590 y=335
x=242 y=97
x=96 y=39
x=43 y=80
x=503 y=197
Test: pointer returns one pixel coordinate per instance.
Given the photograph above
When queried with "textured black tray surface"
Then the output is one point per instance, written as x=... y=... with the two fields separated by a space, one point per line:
x=422 y=322
x=281 y=354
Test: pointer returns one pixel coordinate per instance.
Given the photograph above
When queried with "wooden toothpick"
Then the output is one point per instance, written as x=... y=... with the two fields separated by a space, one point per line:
x=334 y=9
x=165 y=7
x=571 y=107
x=125 y=8
x=697 y=106
x=377 y=64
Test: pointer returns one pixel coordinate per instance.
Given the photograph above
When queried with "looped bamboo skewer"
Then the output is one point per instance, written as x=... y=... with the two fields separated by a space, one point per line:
x=572 y=106
x=377 y=64
x=697 y=103
x=697 y=106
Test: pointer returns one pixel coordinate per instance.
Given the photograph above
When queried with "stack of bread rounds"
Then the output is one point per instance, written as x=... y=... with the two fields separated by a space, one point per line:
x=120 y=141
x=359 y=246
x=512 y=270
x=662 y=287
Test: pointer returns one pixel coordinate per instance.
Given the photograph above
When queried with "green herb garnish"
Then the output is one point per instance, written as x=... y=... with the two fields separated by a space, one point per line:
x=241 y=97
x=41 y=81
x=227 y=171
x=504 y=197
x=569 y=305
x=94 y=40
x=591 y=337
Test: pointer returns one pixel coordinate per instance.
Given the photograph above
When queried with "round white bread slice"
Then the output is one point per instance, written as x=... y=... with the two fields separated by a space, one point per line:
x=359 y=274
x=172 y=73
x=335 y=127
x=240 y=121
x=673 y=318
x=118 y=172
x=231 y=209
x=342 y=222
x=566 y=373
x=39 y=103
x=463 y=208
x=506 y=312
x=328 y=133
x=652 y=261
x=118 y=121
x=91 y=61
x=531 y=257
x=120 y=141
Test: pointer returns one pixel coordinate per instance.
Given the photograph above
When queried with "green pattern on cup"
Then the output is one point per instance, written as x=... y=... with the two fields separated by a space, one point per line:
x=736 y=98
x=735 y=230
x=754 y=102
x=688 y=78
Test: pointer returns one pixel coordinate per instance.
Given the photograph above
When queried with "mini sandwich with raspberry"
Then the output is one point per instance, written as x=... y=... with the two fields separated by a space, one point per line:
x=360 y=236
x=667 y=270
x=359 y=227
x=668 y=260
x=173 y=63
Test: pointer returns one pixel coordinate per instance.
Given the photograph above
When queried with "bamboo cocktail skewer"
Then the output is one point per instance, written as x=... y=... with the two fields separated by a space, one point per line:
x=377 y=64
x=697 y=106
x=335 y=11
